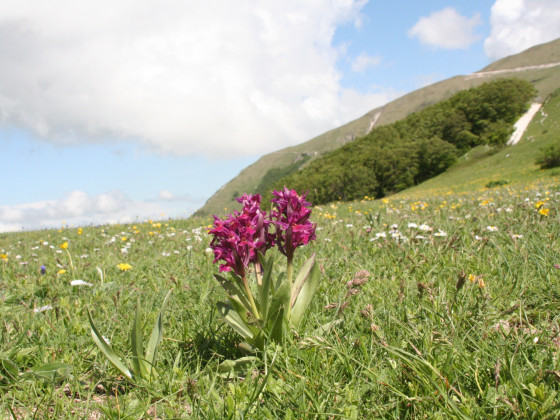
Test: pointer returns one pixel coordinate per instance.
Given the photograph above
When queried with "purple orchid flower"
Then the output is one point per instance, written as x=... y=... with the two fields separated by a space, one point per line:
x=238 y=238
x=291 y=217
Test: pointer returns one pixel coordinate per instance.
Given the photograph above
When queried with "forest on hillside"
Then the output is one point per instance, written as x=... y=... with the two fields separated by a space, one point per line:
x=397 y=156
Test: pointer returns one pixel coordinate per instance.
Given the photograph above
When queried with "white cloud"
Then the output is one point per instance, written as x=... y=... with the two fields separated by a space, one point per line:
x=79 y=208
x=519 y=24
x=446 y=29
x=365 y=62
x=213 y=77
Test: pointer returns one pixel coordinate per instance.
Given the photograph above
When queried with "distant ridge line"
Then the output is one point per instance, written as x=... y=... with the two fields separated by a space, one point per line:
x=515 y=69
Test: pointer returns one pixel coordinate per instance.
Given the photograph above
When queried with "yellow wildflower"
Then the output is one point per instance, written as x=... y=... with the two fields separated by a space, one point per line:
x=61 y=271
x=64 y=245
x=4 y=257
x=124 y=266
x=80 y=231
x=544 y=211
x=472 y=278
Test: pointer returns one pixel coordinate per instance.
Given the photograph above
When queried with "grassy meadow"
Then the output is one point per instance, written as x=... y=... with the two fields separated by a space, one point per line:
x=440 y=302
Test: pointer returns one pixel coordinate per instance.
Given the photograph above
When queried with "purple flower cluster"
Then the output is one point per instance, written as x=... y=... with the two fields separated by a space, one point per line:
x=239 y=237
x=291 y=218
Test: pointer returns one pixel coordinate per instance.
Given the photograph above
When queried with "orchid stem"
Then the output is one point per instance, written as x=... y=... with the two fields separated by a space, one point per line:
x=251 y=299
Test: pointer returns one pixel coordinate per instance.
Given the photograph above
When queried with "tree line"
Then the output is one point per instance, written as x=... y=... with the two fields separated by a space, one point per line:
x=396 y=156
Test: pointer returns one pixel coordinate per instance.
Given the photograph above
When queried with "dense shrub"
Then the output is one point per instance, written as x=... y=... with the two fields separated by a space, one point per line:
x=549 y=157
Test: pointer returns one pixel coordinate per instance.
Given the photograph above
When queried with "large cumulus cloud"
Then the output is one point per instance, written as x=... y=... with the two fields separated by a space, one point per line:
x=216 y=77
x=519 y=24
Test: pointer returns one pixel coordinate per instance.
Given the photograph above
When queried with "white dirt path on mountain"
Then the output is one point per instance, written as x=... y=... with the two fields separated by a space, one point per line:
x=522 y=123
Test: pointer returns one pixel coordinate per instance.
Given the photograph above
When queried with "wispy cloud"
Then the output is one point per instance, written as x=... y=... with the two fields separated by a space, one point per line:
x=519 y=24
x=446 y=29
x=364 y=62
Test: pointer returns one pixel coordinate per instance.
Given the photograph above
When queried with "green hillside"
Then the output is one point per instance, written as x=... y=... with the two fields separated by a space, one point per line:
x=511 y=166
x=396 y=156
x=545 y=80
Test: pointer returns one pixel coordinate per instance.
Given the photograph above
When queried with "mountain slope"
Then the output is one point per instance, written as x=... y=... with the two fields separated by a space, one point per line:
x=540 y=65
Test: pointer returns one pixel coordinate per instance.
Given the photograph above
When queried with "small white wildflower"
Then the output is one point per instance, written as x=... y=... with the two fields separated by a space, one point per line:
x=478 y=238
x=491 y=228
x=42 y=308
x=412 y=225
x=165 y=254
x=189 y=247
x=381 y=235
x=514 y=236
x=80 y=283
x=394 y=226
x=124 y=250
x=425 y=228
x=327 y=240
x=440 y=233
x=349 y=225
x=419 y=237
x=208 y=250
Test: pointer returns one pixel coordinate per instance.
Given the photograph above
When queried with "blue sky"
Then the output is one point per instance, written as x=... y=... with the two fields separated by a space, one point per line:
x=116 y=112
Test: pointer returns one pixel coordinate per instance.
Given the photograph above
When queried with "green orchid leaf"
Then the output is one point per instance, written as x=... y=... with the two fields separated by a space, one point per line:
x=235 y=321
x=234 y=293
x=107 y=350
x=301 y=278
x=308 y=289
x=277 y=309
x=156 y=337
x=267 y=284
x=137 y=345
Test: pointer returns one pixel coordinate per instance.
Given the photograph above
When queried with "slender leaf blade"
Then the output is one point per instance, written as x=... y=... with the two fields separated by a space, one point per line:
x=305 y=295
x=301 y=278
x=267 y=285
x=234 y=293
x=137 y=344
x=278 y=305
x=235 y=321
x=107 y=350
x=156 y=337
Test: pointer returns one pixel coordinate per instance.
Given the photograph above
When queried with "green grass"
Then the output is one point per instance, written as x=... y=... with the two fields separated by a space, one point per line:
x=459 y=321
x=418 y=339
